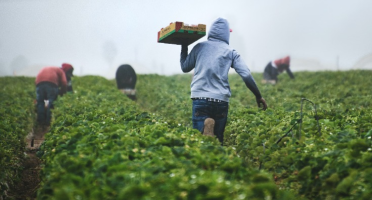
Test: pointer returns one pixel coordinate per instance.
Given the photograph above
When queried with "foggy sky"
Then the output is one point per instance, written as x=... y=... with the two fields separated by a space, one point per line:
x=96 y=36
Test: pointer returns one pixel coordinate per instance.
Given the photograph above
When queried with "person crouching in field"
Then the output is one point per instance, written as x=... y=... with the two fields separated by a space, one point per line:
x=68 y=69
x=126 y=79
x=50 y=82
x=210 y=90
x=274 y=68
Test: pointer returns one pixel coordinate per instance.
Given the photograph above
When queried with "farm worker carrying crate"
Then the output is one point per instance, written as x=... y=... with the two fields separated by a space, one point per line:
x=274 y=68
x=210 y=90
x=49 y=82
x=126 y=79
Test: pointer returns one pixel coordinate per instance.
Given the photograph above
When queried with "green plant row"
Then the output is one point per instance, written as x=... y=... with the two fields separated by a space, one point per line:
x=103 y=146
x=327 y=163
x=16 y=121
x=168 y=96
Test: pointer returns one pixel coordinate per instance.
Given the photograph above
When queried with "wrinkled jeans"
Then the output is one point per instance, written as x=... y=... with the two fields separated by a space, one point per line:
x=45 y=91
x=202 y=109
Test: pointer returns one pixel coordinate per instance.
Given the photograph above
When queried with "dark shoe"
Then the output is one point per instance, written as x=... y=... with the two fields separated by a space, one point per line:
x=209 y=127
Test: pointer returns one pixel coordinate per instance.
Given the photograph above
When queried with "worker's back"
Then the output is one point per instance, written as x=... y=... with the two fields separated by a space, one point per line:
x=126 y=77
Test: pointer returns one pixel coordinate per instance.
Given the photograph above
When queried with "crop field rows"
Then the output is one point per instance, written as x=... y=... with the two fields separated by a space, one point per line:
x=102 y=145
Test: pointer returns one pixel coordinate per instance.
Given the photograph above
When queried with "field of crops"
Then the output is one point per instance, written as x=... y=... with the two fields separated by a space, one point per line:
x=314 y=141
x=16 y=120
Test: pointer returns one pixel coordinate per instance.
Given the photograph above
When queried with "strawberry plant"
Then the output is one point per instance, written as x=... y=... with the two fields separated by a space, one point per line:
x=16 y=121
x=103 y=146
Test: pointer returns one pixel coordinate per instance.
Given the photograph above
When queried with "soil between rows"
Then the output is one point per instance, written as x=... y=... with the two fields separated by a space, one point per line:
x=26 y=188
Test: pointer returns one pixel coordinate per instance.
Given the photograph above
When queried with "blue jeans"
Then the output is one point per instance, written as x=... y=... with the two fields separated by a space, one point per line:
x=203 y=109
x=45 y=91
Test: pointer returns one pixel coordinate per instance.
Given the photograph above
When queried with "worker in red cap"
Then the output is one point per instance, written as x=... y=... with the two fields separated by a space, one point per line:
x=50 y=82
x=68 y=69
x=274 y=68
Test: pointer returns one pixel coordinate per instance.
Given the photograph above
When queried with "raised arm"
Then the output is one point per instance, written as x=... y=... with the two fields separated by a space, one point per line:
x=187 y=61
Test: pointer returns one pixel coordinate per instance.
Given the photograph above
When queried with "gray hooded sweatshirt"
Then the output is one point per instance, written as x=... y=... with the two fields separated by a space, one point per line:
x=212 y=60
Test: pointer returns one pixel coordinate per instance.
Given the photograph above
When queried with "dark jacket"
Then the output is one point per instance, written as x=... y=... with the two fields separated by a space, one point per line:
x=126 y=77
x=271 y=72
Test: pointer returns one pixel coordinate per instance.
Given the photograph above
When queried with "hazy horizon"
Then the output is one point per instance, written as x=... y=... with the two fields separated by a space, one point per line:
x=98 y=36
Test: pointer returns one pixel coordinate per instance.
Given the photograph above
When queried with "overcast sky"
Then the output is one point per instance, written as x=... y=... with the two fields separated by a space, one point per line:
x=96 y=36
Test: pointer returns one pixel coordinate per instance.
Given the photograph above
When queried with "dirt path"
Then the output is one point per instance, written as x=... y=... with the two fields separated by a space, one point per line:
x=26 y=187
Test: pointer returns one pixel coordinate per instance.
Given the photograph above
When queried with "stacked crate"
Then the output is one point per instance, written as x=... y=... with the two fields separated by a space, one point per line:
x=179 y=33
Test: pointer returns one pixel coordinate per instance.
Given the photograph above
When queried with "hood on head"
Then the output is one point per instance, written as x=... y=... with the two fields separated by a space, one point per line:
x=220 y=30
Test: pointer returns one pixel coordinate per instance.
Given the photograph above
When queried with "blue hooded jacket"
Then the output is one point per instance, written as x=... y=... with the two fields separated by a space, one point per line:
x=212 y=60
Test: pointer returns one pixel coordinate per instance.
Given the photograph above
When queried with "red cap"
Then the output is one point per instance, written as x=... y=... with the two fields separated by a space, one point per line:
x=286 y=60
x=230 y=30
x=282 y=61
x=66 y=67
